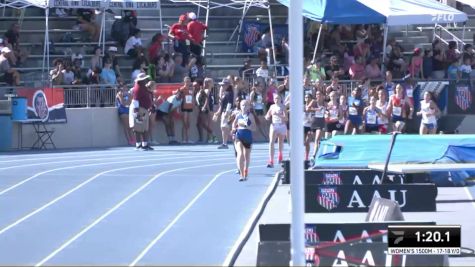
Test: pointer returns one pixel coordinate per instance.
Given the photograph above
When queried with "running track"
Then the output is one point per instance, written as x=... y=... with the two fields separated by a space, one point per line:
x=173 y=206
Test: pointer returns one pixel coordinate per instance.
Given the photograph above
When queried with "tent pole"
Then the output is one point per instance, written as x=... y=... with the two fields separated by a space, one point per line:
x=47 y=41
x=296 y=129
x=272 y=38
x=383 y=69
x=318 y=40
x=203 y=52
x=46 y=44
x=463 y=37
x=160 y=16
x=101 y=41
x=244 y=12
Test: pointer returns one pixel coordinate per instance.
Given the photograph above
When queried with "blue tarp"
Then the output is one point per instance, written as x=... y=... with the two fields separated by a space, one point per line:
x=390 y=12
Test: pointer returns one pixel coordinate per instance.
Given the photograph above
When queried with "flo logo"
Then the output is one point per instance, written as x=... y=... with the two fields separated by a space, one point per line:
x=443 y=17
x=328 y=197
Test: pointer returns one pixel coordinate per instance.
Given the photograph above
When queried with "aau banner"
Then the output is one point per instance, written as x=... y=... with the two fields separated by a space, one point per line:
x=460 y=98
x=46 y=104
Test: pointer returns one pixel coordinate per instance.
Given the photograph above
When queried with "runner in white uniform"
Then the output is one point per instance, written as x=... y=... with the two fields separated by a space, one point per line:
x=429 y=112
x=278 y=130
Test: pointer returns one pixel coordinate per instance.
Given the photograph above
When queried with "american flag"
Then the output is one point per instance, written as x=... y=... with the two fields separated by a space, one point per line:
x=463 y=97
x=251 y=35
x=328 y=198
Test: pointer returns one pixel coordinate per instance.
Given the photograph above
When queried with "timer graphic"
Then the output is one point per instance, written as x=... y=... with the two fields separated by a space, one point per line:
x=424 y=239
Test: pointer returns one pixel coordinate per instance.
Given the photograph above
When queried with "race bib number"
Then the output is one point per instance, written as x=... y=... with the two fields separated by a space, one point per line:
x=353 y=111
x=356 y=102
x=397 y=111
x=188 y=99
x=371 y=118
x=259 y=99
x=410 y=92
x=187 y=42
x=333 y=114
x=319 y=113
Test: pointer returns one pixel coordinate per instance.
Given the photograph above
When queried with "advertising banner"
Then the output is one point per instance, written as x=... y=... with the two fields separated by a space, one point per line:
x=45 y=104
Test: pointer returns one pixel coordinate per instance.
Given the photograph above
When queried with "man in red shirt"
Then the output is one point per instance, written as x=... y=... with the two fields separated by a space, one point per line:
x=181 y=38
x=140 y=112
x=196 y=29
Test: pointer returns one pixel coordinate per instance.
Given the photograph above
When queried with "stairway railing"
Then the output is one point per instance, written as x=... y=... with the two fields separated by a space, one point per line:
x=439 y=32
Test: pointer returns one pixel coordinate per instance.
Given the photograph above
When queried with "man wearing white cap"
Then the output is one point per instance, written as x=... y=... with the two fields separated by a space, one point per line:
x=139 y=112
x=196 y=29
x=7 y=73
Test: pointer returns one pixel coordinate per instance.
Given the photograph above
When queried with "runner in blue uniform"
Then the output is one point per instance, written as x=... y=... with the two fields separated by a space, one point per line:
x=243 y=125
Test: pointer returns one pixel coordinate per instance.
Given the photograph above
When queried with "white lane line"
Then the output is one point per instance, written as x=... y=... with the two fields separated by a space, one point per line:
x=62 y=157
x=29 y=215
x=123 y=201
x=183 y=211
x=88 y=165
x=249 y=223
x=470 y=196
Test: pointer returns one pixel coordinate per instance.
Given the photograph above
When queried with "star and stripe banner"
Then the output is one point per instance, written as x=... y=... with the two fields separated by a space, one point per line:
x=461 y=98
x=253 y=30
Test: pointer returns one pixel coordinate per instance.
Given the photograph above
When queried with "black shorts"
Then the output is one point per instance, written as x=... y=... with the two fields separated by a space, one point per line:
x=371 y=128
x=186 y=110
x=160 y=114
x=334 y=126
x=306 y=130
x=318 y=124
x=259 y=112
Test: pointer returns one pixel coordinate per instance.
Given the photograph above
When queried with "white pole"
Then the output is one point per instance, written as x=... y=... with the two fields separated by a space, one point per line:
x=318 y=40
x=244 y=11
x=384 y=46
x=203 y=52
x=296 y=130
x=160 y=16
x=46 y=44
x=102 y=35
x=47 y=40
x=272 y=37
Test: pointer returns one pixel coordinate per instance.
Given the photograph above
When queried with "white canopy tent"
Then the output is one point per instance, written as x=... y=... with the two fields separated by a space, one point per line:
x=470 y=3
x=95 y=4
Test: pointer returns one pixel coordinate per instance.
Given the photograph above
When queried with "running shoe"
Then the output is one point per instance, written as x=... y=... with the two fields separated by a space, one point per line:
x=223 y=146
x=237 y=171
x=242 y=179
x=138 y=147
x=146 y=148
x=215 y=140
x=270 y=165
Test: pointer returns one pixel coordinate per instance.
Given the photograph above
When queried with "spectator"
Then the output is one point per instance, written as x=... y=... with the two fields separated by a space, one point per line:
x=164 y=68
x=86 y=23
x=372 y=70
x=196 y=72
x=348 y=59
x=138 y=67
x=427 y=64
x=180 y=71
x=416 y=68
x=133 y=46
x=361 y=34
x=452 y=54
x=357 y=70
x=155 y=48
x=397 y=64
x=362 y=50
x=79 y=75
x=68 y=74
x=246 y=70
x=240 y=88
x=96 y=60
x=225 y=110
x=112 y=56
x=262 y=72
x=56 y=74
x=181 y=39
x=107 y=74
x=453 y=71
x=12 y=40
x=468 y=52
x=438 y=65
x=334 y=69
x=316 y=71
x=122 y=103
x=95 y=76
x=196 y=29
x=8 y=74
x=263 y=44
x=334 y=86
x=466 y=69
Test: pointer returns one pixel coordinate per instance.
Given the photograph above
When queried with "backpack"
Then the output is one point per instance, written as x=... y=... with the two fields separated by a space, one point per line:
x=120 y=31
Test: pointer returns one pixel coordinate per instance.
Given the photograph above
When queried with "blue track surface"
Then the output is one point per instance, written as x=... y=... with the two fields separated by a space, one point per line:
x=171 y=206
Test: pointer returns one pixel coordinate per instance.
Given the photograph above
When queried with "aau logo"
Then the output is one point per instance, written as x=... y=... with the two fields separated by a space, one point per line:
x=463 y=97
x=331 y=178
x=328 y=197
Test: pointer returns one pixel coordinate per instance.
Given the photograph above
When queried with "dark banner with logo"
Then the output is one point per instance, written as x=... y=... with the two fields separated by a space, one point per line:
x=351 y=177
x=252 y=31
x=45 y=104
x=357 y=198
x=460 y=98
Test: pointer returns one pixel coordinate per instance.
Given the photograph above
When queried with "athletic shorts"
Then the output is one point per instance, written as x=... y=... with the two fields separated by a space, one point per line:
x=397 y=118
x=306 y=130
x=334 y=126
x=430 y=126
x=245 y=137
x=160 y=114
x=318 y=124
x=279 y=129
x=355 y=120
x=259 y=112
x=187 y=110
x=371 y=128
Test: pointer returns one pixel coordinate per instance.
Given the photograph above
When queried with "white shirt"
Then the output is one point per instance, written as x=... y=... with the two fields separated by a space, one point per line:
x=264 y=73
x=131 y=42
x=68 y=77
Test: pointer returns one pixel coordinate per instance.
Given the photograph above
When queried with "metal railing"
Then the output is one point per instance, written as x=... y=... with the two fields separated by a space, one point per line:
x=439 y=32
x=85 y=96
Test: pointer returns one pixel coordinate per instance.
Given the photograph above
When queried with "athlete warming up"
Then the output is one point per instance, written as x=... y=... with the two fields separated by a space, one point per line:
x=278 y=128
x=243 y=125
x=429 y=112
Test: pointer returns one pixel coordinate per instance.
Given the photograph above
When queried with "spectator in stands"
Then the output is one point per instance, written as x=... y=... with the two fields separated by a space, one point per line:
x=468 y=52
x=79 y=75
x=357 y=69
x=334 y=86
x=181 y=38
x=372 y=70
x=316 y=71
x=429 y=112
x=224 y=111
x=12 y=40
x=112 y=55
x=241 y=89
x=246 y=70
x=155 y=48
x=334 y=69
x=97 y=60
x=196 y=72
x=466 y=69
x=262 y=73
x=122 y=103
x=138 y=67
x=164 y=68
x=416 y=64
x=397 y=64
x=68 y=74
x=180 y=71
x=264 y=44
x=2 y=43
x=107 y=74
x=165 y=114
x=56 y=74
x=438 y=65
x=453 y=72
x=86 y=23
x=362 y=50
x=196 y=29
x=427 y=64
x=284 y=89
x=8 y=74
x=452 y=54
x=133 y=46
x=361 y=34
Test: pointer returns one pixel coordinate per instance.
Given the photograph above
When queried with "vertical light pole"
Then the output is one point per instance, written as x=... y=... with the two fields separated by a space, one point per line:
x=296 y=130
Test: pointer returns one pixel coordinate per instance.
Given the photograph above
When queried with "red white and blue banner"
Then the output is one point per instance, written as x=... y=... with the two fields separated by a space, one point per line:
x=460 y=98
x=45 y=104
x=252 y=31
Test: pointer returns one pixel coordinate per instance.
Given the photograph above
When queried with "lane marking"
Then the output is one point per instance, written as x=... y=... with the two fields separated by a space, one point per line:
x=123 y=201
x=51 y=202
x=470 y=196
x=183 y=211
x=60 y=157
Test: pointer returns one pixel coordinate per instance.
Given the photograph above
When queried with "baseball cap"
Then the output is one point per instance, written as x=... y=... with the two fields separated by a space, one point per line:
x=192 y=15
x=5 y=50
x=224 y=81
x=141 y=77
x=113 y=49
x=182 y=18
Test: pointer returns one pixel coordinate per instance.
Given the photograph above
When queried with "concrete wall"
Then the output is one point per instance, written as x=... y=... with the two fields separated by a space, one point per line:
x=100 y=127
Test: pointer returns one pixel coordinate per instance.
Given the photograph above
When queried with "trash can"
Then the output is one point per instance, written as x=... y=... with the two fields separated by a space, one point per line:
x=19 y=110
x=6 y=126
